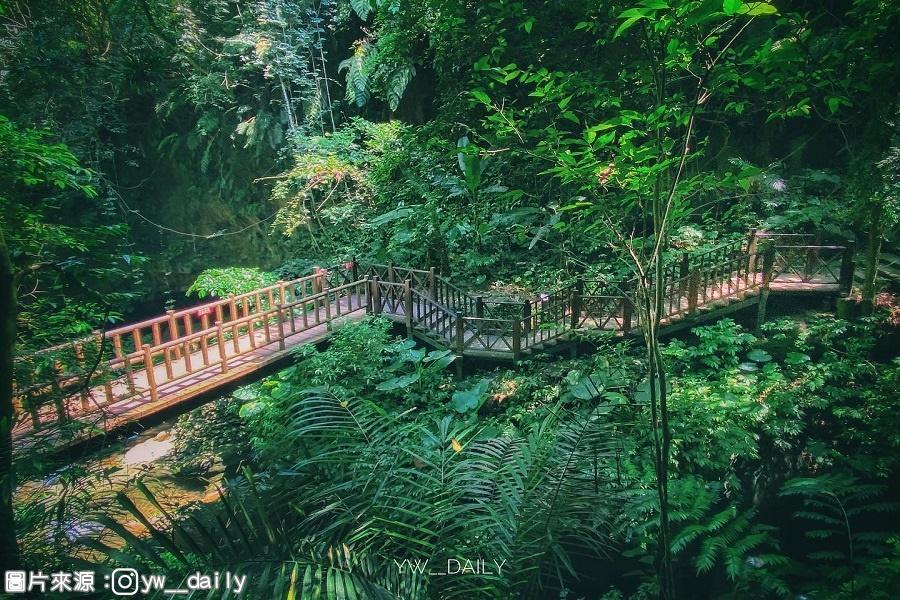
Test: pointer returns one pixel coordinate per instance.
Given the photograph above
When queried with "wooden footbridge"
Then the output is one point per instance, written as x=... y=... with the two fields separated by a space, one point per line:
x=99 y=384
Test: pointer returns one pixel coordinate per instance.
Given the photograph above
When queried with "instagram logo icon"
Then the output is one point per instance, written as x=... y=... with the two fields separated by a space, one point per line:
x=124 y=582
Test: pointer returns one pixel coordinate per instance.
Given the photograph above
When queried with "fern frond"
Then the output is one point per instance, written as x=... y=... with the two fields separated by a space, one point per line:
x=357 y=80
x=361 y=8
x=397 y=84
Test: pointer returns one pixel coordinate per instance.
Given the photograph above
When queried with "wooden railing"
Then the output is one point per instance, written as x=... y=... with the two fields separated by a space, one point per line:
x=179 y=344
x=138 y=360
x=222 y=342
x=473 y=324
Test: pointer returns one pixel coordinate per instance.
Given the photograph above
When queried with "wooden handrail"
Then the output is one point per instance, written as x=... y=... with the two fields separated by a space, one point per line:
x=434 y=302
x=810 y=246
x=197 y=338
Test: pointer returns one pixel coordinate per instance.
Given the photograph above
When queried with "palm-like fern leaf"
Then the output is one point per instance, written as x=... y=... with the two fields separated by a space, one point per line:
x=357 y=78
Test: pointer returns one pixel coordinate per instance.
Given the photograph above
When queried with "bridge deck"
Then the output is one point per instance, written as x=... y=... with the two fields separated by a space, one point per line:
x=128 y=406
x=257 y=329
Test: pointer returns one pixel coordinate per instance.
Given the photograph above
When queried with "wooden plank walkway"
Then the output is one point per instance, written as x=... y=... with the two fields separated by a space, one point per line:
x=154 y=365
x=132 y=400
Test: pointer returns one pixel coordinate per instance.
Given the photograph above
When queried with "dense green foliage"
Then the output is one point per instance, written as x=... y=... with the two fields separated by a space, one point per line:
x=552 y=472
x=158 y=152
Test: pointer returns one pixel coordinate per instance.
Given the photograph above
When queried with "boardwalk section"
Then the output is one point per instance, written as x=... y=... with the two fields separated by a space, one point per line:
x=134 y=371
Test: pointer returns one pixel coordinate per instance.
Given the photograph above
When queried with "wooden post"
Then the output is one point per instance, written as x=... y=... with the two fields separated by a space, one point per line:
x=316 y=280
x=367 y=289
x=354 y=269
x=151 y=374
x=235 y=340
x=479 y=307
x=108 y=392
x=232 y=308
x=768 y=269
x=220 y=340
x=693 y=290
x=167 y=359
x=768 y=266
x=847 y=268
x=280 y=314
x=187 y=359
x=526 y=317
x=376 y=295
x=204 y=345
x=460 y=336
x=117 y=346
x=390 y=273
x=188 y=330
x=136 y=337
x=751 y=257
x=129 y=376
x=323 y=285
x=683 y=271
x=516 y=338
x=577 y=293
x=408 y=307
x=627 y=312
x=316 y=288
x=173 y=332
x=432 y=283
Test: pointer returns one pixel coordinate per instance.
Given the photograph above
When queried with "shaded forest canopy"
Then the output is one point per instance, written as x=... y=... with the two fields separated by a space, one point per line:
x=155 y=152
x=201 y=121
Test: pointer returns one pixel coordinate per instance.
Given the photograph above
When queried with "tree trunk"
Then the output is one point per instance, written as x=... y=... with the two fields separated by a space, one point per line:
x=662 y=436
x=873 y=253
x=9 y=548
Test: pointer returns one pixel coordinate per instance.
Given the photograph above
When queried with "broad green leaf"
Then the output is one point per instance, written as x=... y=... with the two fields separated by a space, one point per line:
x=731 y=7
x=755 y=9
x=397 y=383
x=436 y=354
x=246 y=393
x=414 y=355
x=796 y=358
x=464 y=401
x=642 y=393
x=481 y=96
x=627 y=24
x=361 y=8
x=249 y=409
x=606 y=138
x=393 y=215
x=760 y=356
x=588 y=387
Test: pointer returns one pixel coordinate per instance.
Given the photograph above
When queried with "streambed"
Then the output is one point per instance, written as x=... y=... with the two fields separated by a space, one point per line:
x=80 y=499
